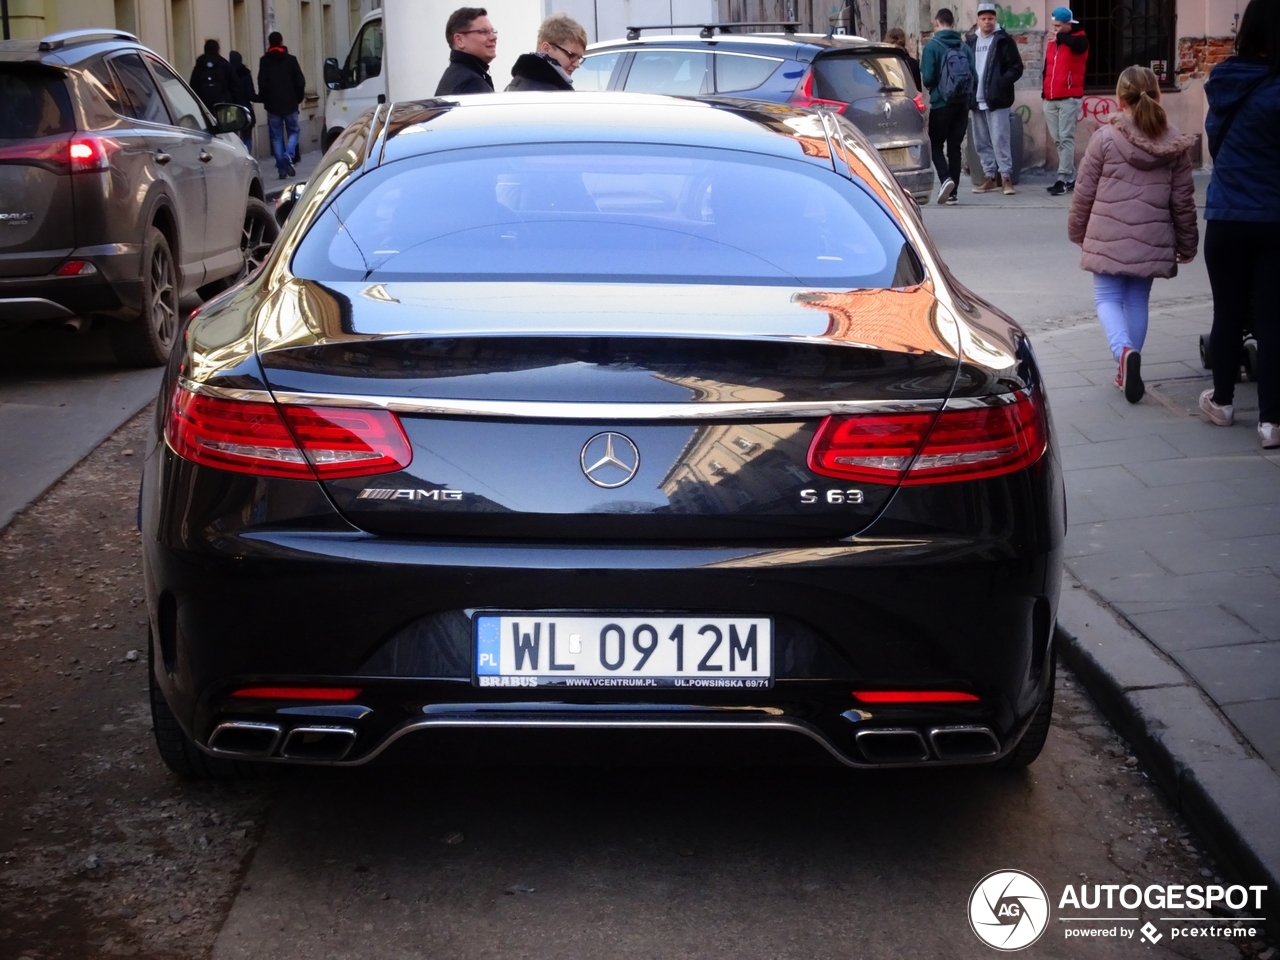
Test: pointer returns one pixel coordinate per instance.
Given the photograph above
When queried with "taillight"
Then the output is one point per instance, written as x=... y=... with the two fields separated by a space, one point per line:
x=919 y=448
x=258 y=438
x=803 y=95
x=921 y=103
x=913 y=696
x=76 y=268
x=300 y=693
x=78 y=155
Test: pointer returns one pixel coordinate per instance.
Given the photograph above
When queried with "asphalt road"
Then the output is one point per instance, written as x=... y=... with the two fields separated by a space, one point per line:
x=60 y=396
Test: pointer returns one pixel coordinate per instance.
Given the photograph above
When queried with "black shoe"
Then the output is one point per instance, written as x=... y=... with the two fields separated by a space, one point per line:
x=1058 y=189
x=1071 y=186
x=290 y=171
x=1131 y=375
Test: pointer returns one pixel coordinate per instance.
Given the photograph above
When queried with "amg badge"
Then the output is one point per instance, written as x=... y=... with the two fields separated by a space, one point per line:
x=391 y=493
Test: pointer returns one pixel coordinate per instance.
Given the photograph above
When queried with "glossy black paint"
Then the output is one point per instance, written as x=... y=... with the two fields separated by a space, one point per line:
x=255 y=580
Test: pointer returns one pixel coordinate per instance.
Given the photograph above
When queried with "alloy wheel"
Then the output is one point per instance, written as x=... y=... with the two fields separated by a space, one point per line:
x=164 y=299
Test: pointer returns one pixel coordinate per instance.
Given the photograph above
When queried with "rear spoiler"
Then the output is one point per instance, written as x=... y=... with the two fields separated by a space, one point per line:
x=707 y=30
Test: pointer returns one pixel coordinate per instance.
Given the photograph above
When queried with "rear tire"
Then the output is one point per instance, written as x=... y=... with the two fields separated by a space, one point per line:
x=179 y=752
x=147 y=340
x=1033 y=739
x=327 y=138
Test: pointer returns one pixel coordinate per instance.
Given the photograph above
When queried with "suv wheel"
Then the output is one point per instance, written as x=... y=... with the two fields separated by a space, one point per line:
x=147 y=341
x=260 y=232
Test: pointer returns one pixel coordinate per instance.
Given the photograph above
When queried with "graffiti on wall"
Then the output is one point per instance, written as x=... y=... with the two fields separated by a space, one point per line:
x=1098 y=108
x=1009 y=20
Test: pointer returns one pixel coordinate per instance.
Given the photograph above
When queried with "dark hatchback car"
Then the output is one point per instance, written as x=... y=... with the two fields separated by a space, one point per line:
x=119 y=192
x=868 y=83
x=630 y=416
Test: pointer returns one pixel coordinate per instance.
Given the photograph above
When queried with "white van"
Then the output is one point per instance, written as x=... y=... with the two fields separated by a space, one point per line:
x=400 y=50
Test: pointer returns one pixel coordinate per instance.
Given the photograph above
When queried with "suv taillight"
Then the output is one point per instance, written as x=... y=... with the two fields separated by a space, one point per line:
x=78 y=155
x=915 y=448
x=300 y=443
x=803 y=95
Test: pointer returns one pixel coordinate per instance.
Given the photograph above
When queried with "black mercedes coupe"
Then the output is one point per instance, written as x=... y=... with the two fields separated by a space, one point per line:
x=601 y=422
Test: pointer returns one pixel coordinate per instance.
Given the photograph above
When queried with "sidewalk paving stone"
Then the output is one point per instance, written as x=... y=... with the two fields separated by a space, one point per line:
x=1235 y=674
x=1259 y=720
x=1194 y=627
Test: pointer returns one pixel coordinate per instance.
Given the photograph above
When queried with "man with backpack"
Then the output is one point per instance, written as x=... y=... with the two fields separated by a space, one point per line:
x=212 y=78
x=1066 y=54
x=948 y=71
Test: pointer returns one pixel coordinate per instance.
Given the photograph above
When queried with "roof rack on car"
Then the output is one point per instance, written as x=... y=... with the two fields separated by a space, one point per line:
x=55 y=40
x=707 y=30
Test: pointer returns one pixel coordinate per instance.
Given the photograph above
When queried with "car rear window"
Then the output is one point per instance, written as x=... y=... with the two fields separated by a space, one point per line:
x=735 y=71
x=33 y=103
x=852 y=77
x=602 y=213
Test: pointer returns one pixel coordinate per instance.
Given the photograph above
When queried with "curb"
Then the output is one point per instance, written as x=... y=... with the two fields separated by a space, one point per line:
x=1228 y=795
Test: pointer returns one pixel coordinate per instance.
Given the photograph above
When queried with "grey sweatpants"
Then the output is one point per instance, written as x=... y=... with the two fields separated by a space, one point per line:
x=990 y=132
x=1060 y=117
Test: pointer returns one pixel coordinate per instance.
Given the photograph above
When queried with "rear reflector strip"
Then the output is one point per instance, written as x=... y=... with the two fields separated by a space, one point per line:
x=913 y=696
x=257 y=438
x=298 y=693
x=967 y=443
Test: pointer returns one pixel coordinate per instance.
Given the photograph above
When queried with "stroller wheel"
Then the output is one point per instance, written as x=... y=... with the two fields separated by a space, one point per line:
x=1251 y=359
x=1206 y=358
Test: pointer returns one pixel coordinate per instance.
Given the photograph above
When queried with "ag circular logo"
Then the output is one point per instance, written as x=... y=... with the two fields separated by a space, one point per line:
x=1008 y=910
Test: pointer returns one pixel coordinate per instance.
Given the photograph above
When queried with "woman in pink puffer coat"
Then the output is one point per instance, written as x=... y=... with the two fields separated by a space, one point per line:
x=1134 y=216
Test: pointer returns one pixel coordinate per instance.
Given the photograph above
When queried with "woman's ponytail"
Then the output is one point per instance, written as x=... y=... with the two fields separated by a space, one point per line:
x=1139 y=90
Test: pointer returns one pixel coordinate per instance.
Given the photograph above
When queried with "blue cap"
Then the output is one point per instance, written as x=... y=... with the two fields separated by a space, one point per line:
x=1062 y=15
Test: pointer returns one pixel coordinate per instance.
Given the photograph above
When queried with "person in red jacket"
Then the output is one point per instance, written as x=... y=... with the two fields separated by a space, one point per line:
x=1065 y=56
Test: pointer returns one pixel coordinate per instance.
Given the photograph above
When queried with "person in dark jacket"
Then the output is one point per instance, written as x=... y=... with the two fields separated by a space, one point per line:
x=212 y=78
x=562 y=43
x=999 y=66
x=1242 y=214
x=281 y=87
x=1066 y=54
x=947 y=120
x=243 y=94
x=473 y=43
x=898 y=37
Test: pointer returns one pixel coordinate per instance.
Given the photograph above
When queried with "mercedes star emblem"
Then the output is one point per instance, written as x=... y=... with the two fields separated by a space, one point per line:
x=609 y=460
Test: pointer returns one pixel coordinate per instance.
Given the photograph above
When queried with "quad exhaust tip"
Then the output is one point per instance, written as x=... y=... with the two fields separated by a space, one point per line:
x=908 y=746
x=323 y=743
x=892 y=746
x=964 y=743
x=244 y=739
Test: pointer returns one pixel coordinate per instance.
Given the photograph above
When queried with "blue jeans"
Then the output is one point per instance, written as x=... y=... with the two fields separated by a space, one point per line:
x=278 y=126
x=1121 y=302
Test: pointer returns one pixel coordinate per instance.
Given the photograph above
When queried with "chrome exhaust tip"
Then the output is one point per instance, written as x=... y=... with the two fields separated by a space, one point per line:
x=892 y=746
x=244 y=739
x=964 y=743
x=75 y=325
x=318 y=743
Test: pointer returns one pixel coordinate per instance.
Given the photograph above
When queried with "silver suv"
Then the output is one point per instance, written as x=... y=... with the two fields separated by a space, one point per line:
x=119 y=191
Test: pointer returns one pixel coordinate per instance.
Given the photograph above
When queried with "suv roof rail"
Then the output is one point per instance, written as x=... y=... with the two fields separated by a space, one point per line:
x=55 y=40
x=707 y=30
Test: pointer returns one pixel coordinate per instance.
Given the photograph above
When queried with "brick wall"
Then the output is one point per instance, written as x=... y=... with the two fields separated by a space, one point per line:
x=1197 y=56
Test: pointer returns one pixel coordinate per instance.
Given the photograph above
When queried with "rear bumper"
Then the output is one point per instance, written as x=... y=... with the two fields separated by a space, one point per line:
x=301 y=597
x=918 y=183
x=114 y=290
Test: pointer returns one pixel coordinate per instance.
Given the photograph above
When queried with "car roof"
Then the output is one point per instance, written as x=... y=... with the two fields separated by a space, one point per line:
x=69 y=49
x=498 y=119
x=804 y=46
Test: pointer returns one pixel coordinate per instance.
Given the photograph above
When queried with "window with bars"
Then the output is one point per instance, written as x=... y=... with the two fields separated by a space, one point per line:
x=1124 y=32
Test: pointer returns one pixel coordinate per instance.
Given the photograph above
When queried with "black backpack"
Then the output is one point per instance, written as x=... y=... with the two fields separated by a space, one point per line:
x=955 y=79
x=209 y=81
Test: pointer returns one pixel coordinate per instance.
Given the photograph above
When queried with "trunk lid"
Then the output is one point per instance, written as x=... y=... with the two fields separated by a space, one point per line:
x=527 y=421
x=37 y=216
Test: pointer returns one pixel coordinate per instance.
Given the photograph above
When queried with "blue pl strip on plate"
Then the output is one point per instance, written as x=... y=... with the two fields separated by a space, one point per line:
x=488 y=636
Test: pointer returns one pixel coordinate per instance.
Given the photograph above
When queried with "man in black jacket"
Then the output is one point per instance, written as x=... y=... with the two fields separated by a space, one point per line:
x=562 y=43
x=212 y=78
x=281 y=87
x=999 y=66
x=473 y=43
x=244 y=94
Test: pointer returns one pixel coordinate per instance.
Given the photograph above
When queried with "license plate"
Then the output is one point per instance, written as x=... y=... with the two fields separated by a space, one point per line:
x=564 y=650
x=896 y=156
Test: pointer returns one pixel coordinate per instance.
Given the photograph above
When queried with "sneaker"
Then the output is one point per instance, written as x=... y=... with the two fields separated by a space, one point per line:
x=946 y=191
x=1071 y=186
x=1269 y=434
x=1131 y=375
x=987 y=186
x=1222 y=416
x=291 y=172
x=1058 y=189
x=953 y=200
x=1008 y=187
